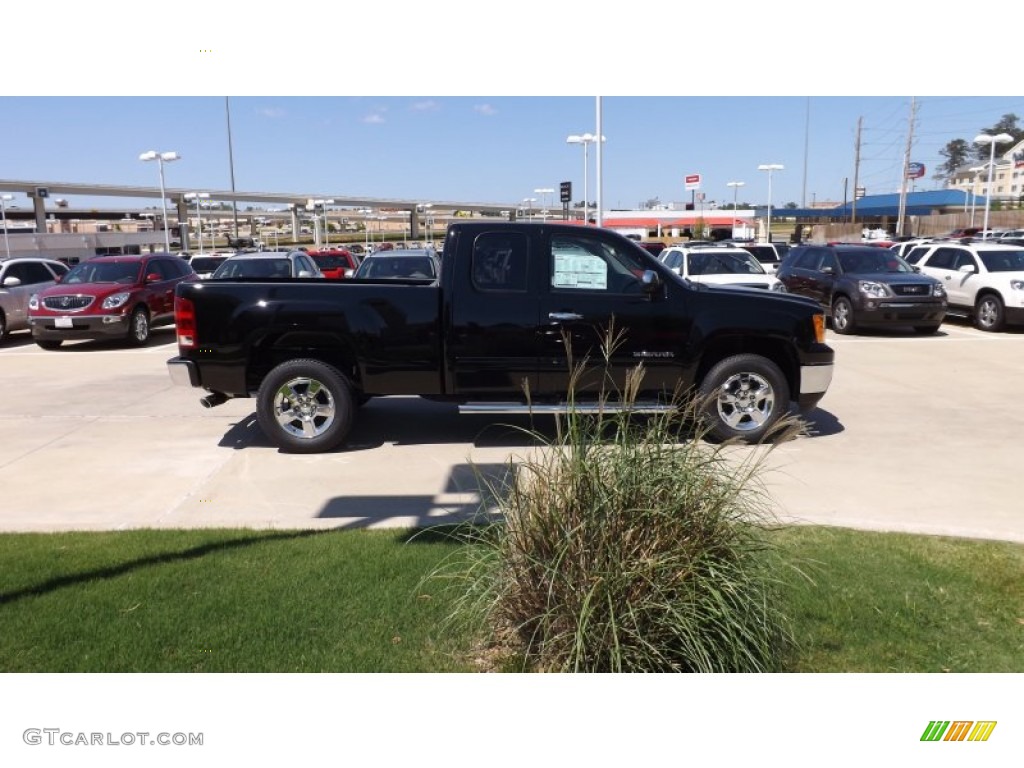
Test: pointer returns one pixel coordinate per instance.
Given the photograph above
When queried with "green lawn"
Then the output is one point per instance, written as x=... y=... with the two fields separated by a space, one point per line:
x=345 y=601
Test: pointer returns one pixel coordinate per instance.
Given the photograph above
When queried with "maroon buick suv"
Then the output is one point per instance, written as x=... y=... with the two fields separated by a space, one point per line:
x=109 y=297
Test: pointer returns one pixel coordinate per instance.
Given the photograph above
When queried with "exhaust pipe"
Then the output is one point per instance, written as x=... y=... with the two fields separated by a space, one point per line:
x=212 y=399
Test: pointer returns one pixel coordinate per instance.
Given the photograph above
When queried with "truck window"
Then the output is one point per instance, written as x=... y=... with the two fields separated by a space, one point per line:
x=500 y=262
x=586 y=263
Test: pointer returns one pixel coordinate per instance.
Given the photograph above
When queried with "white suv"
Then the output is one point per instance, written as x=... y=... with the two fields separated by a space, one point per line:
x=983 y=280
x=719 y=265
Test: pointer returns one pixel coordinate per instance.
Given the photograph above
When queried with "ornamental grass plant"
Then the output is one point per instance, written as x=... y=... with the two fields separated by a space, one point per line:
x=628 y=544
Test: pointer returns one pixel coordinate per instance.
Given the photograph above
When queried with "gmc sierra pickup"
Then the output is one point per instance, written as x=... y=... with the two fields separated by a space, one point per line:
x=516 y=308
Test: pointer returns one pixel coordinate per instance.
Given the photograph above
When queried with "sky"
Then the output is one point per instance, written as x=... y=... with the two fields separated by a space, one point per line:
x=462 y=104
x=488 y=148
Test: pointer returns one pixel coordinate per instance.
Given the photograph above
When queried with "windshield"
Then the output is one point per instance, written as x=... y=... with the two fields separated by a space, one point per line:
x=331 y=261
x=396 y=267
x=1003 y=261
x=103 y=272
x=207 y=263
x=872 y=261
x=262 y=267
x=723 y=263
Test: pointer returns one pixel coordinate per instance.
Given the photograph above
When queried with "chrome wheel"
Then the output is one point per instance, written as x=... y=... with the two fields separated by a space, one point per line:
x=842 y=316
x=988 y=313
x=138 y=327
x=746 y=402
x=304 y=407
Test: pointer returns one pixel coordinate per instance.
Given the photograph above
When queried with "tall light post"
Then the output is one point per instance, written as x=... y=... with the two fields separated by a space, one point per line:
x=586 y=139
x=327 y=229
x=544 y=192
x=3 y=210
x=977 y=171
x=735 y=189
x=199 y=218
x=770 y=167
x=529 y=207
x=366 y=228
x=984 y=138
x=427 y=238
x=161 y=158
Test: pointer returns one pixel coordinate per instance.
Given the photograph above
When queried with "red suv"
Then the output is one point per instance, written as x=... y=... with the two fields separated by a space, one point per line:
x=119 y=297
x=333 y=262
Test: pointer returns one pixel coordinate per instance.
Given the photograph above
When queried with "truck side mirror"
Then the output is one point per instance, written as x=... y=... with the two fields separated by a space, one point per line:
x=650 y=280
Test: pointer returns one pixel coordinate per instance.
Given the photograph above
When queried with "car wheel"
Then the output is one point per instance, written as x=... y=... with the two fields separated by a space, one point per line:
x=138 y=327
x=49 y=343
x=926 y=329
x=988 y=313
x=843 y=320
x=742 y=397
x=3 y=326
x=305 y=406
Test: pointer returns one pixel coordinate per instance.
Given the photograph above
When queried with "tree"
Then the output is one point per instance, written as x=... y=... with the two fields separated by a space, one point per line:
x=956 y=153
x=1007 y=124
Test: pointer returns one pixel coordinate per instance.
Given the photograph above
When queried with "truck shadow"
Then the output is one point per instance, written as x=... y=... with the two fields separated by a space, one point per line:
x=415 y=421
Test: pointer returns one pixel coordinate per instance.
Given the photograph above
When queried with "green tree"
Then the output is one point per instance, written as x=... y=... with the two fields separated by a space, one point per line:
x=1007 y=124
x=956 y=153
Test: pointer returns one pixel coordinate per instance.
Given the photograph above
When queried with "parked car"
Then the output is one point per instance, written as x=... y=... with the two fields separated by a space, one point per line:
x=19 y=279
x=719 y=265
x=334 y=262
x=653 y=247
x=205 y=264
x=410 y=263
x=769 y=254
x=983 y=279
x=862 y=285
x=264 y=264
x=109 y=297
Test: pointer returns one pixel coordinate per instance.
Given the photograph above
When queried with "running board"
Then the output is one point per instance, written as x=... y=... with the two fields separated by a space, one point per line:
x=553 y=408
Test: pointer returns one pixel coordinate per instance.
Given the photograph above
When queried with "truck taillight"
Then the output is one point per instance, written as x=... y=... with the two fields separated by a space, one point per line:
x=185 y=322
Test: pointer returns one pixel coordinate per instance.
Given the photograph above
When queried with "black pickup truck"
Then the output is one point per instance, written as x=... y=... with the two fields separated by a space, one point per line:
x=516 y=308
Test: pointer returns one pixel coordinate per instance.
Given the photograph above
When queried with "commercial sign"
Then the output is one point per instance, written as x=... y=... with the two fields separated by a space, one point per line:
x=915 y=170
x=693 y=181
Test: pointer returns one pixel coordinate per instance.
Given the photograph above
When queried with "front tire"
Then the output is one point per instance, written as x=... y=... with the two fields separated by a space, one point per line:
x=3 y=325
x=989 y=314
x=743 y=397
x=49 y=343
x=305 y=406
x=138 y=327
x=843 y=320
x=926 y=329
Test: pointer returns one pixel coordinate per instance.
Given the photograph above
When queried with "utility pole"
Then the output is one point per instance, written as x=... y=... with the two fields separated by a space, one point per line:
x=856 y=172
x=906 y=168
x=807 y=141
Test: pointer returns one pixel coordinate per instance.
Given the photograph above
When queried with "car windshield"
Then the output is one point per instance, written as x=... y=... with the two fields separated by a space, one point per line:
x=723 y=263
x=207 y=263
x=262 y=267
x=331 y=261
x=103 y=272
x=397 y=267
x=872 y=261
x=1003 y=261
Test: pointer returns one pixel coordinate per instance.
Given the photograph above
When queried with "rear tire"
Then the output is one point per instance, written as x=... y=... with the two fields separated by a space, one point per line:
x=743 y=397
x=989 y=314
x=3 y=326
x=305 y=406
x=138 y=327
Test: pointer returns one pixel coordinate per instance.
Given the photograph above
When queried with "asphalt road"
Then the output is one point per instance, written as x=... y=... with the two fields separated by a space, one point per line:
x=915 y=434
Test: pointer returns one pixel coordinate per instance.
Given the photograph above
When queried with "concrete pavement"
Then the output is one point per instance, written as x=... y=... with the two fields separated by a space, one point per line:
x=915 y=434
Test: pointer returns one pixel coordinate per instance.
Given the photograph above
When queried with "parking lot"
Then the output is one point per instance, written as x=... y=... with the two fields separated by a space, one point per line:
x=917 y=433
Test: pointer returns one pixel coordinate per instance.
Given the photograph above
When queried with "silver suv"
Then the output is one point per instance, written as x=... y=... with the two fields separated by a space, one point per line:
x=19 y=279
x=983 y=280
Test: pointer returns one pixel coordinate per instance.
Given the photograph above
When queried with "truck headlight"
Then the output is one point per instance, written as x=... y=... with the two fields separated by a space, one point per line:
x=779 y=287
x=873 y=289
x=939 y=291
x=115 y=300
x=33 y=301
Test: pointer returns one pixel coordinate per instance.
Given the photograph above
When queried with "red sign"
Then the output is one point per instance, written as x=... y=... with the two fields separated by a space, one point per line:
x=693 y=181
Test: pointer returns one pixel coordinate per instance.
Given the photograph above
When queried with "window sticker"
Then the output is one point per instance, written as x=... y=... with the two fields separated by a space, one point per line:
x=582 y=271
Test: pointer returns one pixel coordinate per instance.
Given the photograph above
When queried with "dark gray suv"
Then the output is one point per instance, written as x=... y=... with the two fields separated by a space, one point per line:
x=861 y=285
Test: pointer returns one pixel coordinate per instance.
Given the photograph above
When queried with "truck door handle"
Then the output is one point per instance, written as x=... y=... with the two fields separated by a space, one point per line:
x=561 y=317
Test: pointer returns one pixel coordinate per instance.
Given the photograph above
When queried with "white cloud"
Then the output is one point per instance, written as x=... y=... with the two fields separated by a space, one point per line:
x=485 y=109
x=271 y=112
x=425 y=106
x=375 y=118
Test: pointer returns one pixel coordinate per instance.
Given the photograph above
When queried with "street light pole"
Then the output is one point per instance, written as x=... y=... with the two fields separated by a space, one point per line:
x=3 y=211
x=586 y=140
x=544 y=192
x=735 y=188
x=770 y=167
x=199 y=217
x=161 y=158
x=984 y=138
x=529 y=207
